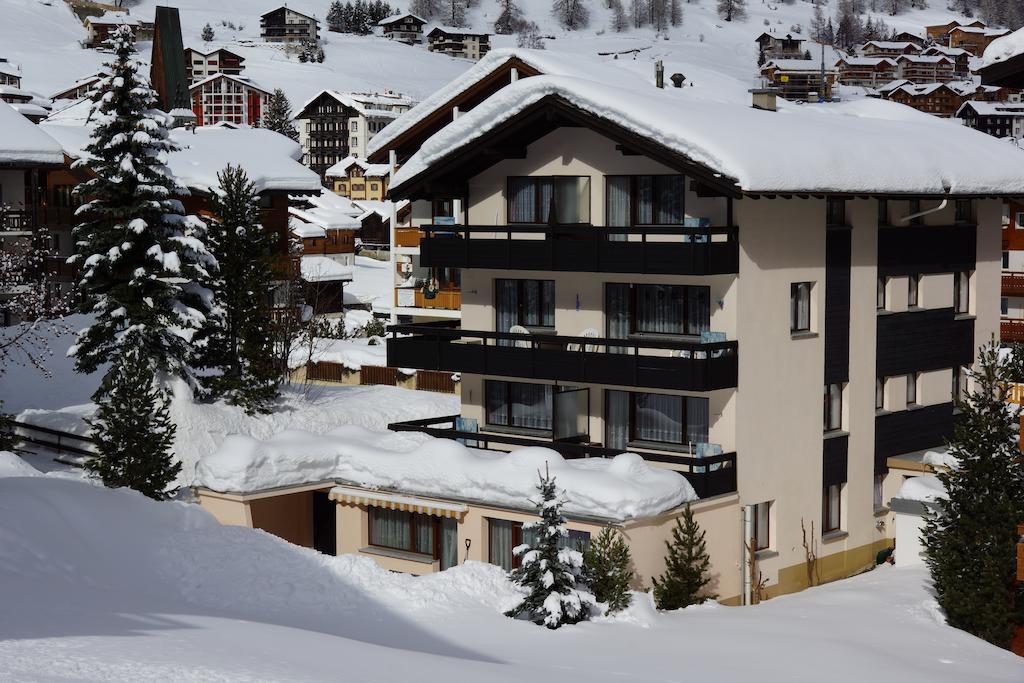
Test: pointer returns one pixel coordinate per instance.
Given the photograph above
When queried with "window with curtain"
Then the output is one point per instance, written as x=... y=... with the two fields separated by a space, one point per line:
x=554 y=200
x=656 y=309
x=877 y=491
x=503 y=536
x=911 y=389
x=830 y=508
x=530 y=303
x=762 y=526
x=398 y=530
x=833 y=407
x=519 y=405
x=654 y=418
x=645 y=200
x=800 y=307
x=962 y=292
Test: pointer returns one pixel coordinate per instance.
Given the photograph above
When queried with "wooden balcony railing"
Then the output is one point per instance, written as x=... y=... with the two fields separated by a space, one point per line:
x=408 y=237
x=1013 y=284
x=445 y=299
x=1011 y=330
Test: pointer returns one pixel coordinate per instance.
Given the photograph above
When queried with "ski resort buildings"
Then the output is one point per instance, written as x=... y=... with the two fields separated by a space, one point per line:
x=458 y=42
x=285 y=25
x=228 y=99
x=201 y=65
x=405 y=28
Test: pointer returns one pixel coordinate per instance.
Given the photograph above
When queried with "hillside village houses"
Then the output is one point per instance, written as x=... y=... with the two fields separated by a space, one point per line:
x=80 y=88
x=780 y=46
x=358 y=180
x=200 y=65
x=221 y=98
x=866 y=71
x=599 y=241
x=99 y=28
x=800 y=79
x=999 y=119
x=884 y=48
x=285 y=25
x=974 y=39
x=31 y=105
x=458 y=42
x=405 y=28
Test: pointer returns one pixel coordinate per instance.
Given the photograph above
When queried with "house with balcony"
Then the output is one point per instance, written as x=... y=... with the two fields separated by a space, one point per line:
x=938 y=99
x=200 y=65
x=998 y=119
x=327 y=225
x=866 y=71
x=285 y=25
x=358 y=180
x=925 y=69
x=99 y=29
x=974 y=39
x=222 y=98
x=886 y=48
x=1011 y=301
x=961 y=58
x=780 y=46
x=458 y=42
x=773 y=328
x=800 y=79
x=940 y=33
x=405 y=28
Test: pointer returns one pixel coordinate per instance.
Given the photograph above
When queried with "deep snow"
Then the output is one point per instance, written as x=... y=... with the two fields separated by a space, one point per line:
x=107 y=585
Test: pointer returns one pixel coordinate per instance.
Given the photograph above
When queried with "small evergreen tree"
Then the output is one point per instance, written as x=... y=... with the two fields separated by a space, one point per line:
x=336 y=17
x=142 y=259
x=238 y=340
x=970 y=544
x=509 y=18
x=548 y=570
x=278 y=116
x=606 y=569
x=207 y=34
x=133 y=428
x=6 y=430
x=686 y=566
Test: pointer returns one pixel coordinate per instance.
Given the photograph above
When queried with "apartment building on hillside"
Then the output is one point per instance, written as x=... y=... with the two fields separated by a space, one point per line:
x=285 y=25
x=200 y=65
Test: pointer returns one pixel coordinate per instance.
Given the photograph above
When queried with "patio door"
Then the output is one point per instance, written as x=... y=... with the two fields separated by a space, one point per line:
x=571 y=419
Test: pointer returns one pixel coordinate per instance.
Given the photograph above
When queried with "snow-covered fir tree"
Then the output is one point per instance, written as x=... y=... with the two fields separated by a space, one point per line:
x=686 y=566
x=278 y=117
x=509 y=19
x=732 y=9
x=141 y=256
x=132 y=427
x=619 y=21
x=336 y=17
x=571 y=14
x=607 y=569
x=970 y=544
x=549 y=571
x=238 y=342
x=207 y=34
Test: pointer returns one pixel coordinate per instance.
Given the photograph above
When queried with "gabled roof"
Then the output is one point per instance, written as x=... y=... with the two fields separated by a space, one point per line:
x=809 y=65
x=791 y=35
x=891 y=45
x=286 y=8
x=23 y=143
x=925 y=59
x=981 y=31
x=364 y=103
x=10 y=68
x=113 y=19
x=867 y=61
x=237 y=79
x=215 y=51
x=398 y=17
x=340 y=169
x=947 y=51
x=1013 y=109
x=456 y=31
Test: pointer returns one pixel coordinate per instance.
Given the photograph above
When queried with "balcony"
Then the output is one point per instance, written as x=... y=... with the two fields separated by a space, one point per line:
x=654 y=364
x=713 y=475
x=406 y=237
x=920 y=341
x=1013 y=284
x=1011 y=330
x=923 y=249
x=444 y=300
x=583 y=248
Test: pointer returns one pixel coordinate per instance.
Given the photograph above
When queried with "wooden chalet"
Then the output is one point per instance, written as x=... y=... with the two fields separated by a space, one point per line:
x=285 y=25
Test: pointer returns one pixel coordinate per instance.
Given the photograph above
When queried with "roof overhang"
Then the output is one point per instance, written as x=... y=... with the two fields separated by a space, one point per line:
x=1008 y=73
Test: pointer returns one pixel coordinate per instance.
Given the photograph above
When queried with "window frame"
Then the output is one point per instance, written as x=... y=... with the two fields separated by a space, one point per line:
x=517 y=539
x=913 y=291
x=962 y=299
x=415 y=520
x=536 y=181
x=766 y=506
x=828 y=523
x=488 y=383
x=832 y=419
x=912 y=397
x=878 y=491
x=880 y=387
x=881 y=293
x=796 y=303
x=631 y=430
x=1006 y=260
x=634 y=318
x=521 y=307
x=634 y=198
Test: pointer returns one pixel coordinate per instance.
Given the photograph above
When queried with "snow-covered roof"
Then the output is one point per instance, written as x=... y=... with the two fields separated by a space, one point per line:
x=891 y=45
x=324 y=269
x=948 y=51
x=1004 y=48
x=325 y=211
x=866 y=61
x=893 y=85
x=898 y=150
x=925 y=489
x=379 y=207
x=994 y=108
x=810 y=65
x=397 y=17
x=113 y=18
x=619 y=488
x=789 y=35
x=237 y=79
x=370 y=105
x=9 y=68
x=456 y=31
x=340 y=169
x=981 y=31
x=304 y=230
x=23 y=142
x=925 y=59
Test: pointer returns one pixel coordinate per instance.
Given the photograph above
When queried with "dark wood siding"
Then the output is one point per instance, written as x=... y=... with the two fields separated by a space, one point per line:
x=834 y=460
x=918 y=341
x=907 y=431
x=913 y=250
x=837 y=305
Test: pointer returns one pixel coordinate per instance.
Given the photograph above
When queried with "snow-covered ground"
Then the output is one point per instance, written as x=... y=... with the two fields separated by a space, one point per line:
x=106 y=585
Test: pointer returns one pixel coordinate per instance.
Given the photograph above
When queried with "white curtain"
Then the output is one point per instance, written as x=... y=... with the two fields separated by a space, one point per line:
x=616 y=427
x=659 y=417
x=523 y=206
x=500 y=552
x=697 y=410
x=617 y=213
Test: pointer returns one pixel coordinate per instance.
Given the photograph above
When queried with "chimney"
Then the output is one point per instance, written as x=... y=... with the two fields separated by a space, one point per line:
x=659 y=74
x=764 y=98
x=677 y=80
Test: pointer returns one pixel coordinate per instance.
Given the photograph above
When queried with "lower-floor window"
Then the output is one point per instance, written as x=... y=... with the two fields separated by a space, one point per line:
x=505 y=536
x=516 y=404
x=655 y=418
x=879 y=481
x=830 y=507
x=762 y=526
x=415 y=533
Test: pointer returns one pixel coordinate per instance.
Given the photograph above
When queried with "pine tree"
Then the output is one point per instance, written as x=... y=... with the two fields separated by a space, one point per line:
x=732 y=9
x=133 y=428
x=970 y=544
x=549 y=571
x=638 y=12
x=238 y=341
x=141 y=257
x=620 y=22
x=207 y=34
x=336 y=17
x=508 y=19
x=278 y=116
x=686 y=566
x=606 y=569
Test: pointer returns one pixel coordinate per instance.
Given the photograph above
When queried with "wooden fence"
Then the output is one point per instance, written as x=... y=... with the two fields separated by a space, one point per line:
x=376 y=374
x=326 y=372
x=435 y=380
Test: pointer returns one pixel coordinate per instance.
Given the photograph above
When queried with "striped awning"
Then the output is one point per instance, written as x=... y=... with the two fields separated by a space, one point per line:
x=396 y=501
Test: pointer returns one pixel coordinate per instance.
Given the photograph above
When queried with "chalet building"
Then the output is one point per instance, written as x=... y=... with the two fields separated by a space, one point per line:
x=99 y=29
x=1011 y=302
x=925 y=69
x=908 y=37
x=405 y=28
x=938 y=99
x=231 y=99
x=200 y=65
x=800 y=79
x=866 y=71
x=285 y=25
x=961 y=58
x=334 y=125
x=358 y=180
x=458 y=42
x=789 y=46
x=10 y=73
x=327 y=225
x=603 y=308
x=886 y=48
x=974 y=39
x=81 y=87
x=998 y=119
x=940 y=33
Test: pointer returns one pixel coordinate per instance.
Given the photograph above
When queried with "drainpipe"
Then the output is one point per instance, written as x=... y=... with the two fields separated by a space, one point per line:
x=748 y=531
x=393 y=252
x=940 y=207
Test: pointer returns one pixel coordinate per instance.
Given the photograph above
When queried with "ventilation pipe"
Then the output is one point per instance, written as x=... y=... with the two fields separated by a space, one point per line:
x=659 y=74
x=942 y=205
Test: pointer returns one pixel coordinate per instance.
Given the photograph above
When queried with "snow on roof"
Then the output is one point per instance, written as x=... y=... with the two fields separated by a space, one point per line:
x=866 y=61
x=892 y=45
x=993 y=108
x=372 y=105
x=795 y=65
x=981 y=31
x=324 y=269
x=13 y=466
x=1004 y=48
x=380 y=207
x=925 y=488
x=789 y=35
x=327 y=211
x=340 y=169
x=237 y=79
x=619 y=488
x=353 y=354
x=948 y=51
x=302 y=229
x=898 y=150
x=396 y=17
x=9 y=68
x=117 y=18
x=456 y=31
x=23 y=142
x=924 y=59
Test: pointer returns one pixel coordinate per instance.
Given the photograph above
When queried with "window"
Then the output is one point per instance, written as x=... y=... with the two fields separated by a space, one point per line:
x=877 y=491
x=354 y=126
x=961 y=292
x=880 y=297
x=503 y=536
x=762 y=526
x=530 y=303
x=879 y=393
x=654 y=418
x=518 y=405
x=800 y=307
x=833 y=407
x=1006 y=260
x=656 y=309
x=645 y=200
x=443 y=208
x=414 y=532
x=835 y=211
x=551 y=200
x=1004 y=305
x=913 y=287
x=964 y=211
x=831 y=508
x=1019 y=223
x=959 y=384
x=911 y=389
